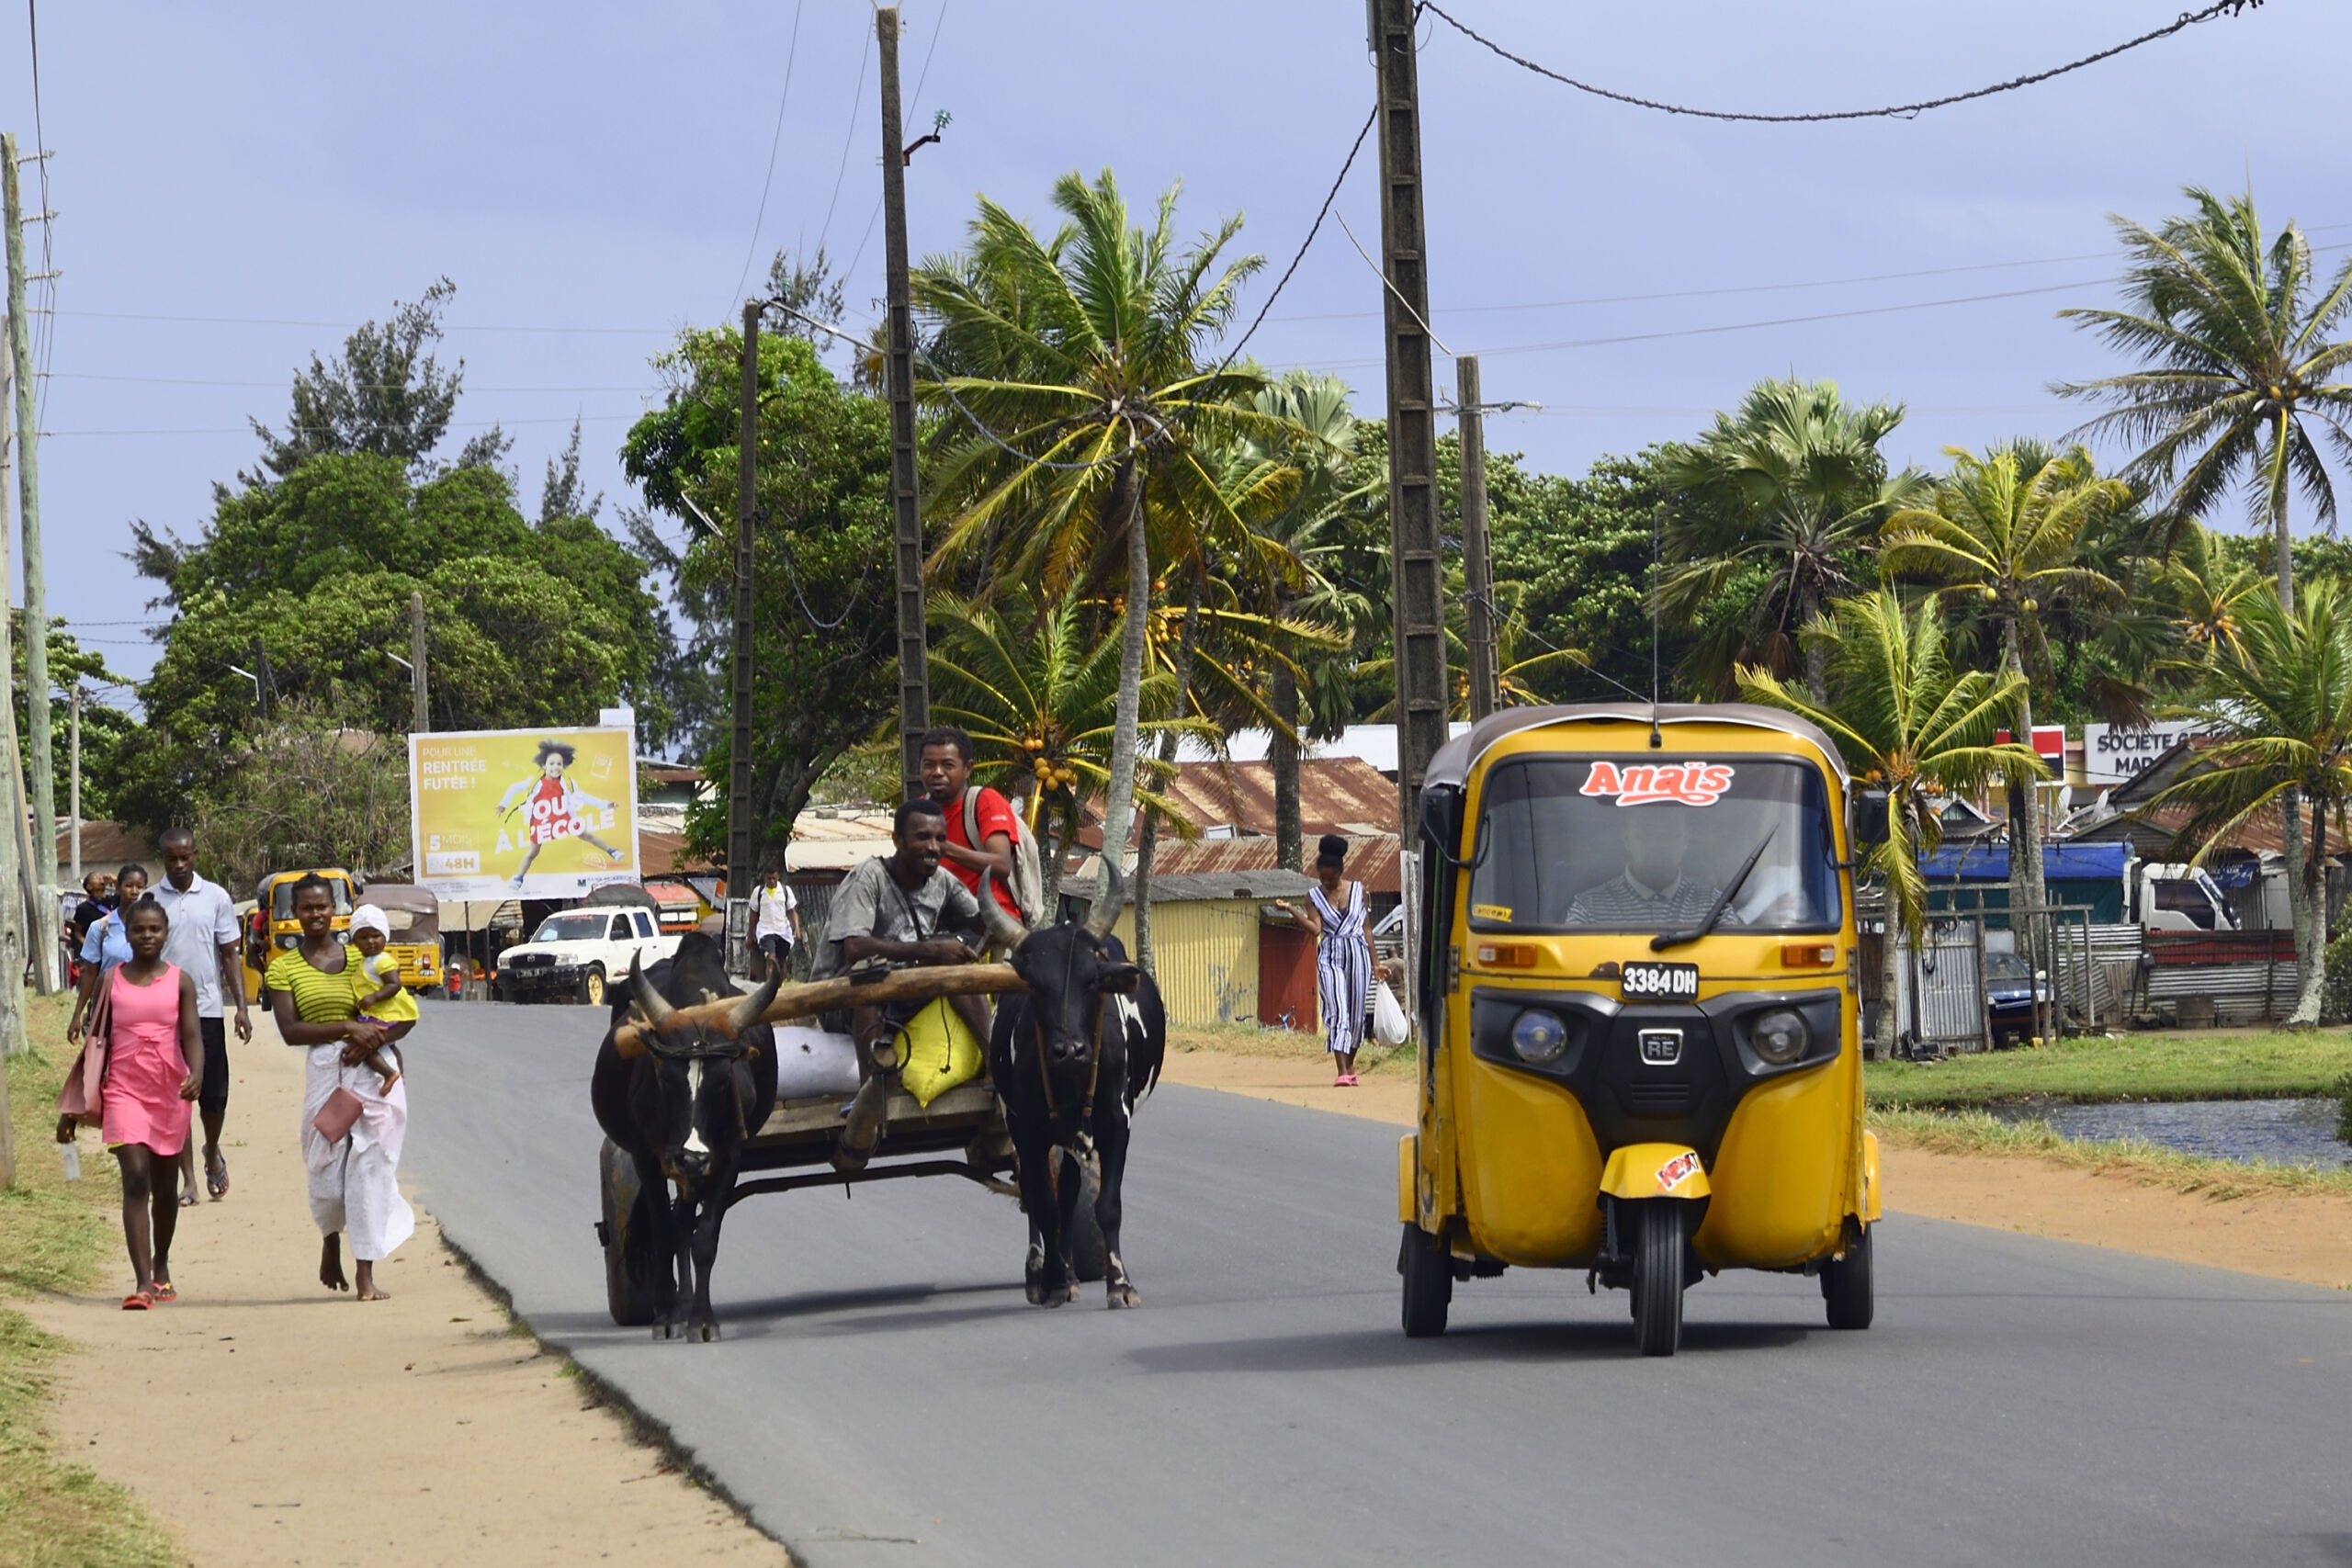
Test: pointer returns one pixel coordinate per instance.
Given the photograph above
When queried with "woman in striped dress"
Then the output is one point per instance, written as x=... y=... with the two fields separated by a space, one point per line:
x=1335 y=916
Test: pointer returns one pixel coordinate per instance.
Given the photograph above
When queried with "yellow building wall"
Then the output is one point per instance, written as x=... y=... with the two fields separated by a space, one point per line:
x=1204 y=956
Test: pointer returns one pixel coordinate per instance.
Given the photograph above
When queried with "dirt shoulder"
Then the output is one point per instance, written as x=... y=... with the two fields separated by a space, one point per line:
x=2304 y=1237
x=269 y=1424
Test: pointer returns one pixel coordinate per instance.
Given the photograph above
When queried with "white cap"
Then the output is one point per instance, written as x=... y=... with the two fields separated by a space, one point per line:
x=368 y=918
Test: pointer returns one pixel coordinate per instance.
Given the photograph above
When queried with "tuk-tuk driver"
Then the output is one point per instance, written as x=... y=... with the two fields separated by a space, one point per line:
x=1656 y=890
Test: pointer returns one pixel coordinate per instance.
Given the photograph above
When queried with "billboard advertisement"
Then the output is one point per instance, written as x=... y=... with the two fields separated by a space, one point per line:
x=523 y=813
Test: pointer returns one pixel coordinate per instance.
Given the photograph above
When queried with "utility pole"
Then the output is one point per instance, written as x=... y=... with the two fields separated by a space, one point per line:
x=1477 y=561
x=1416 y=570
x=420 y=719
x=14 y=846
x=739 y=871
x=906 y=514
x=41 y=762
x=73 y=786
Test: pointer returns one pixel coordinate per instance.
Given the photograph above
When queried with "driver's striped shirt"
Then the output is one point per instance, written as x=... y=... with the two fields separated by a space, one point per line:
x=1623 y=904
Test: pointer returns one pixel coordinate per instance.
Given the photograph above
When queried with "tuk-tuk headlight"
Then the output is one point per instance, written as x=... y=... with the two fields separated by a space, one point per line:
x=1780 y=1037
x=1539 y=1036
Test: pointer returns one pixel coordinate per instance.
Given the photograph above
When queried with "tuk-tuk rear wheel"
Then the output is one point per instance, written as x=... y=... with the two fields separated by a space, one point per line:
x=1657 y=1276
x=1846 y=1285
x=1428 y=1269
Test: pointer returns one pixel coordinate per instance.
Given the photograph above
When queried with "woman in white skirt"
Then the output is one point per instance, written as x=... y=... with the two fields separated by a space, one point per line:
x=1335 y=917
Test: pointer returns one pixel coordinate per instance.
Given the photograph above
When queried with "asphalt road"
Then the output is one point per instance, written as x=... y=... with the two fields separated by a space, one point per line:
x=884 y=1397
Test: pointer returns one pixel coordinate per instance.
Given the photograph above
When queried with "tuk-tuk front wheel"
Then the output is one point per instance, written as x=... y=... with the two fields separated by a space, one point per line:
x=1846 y=1286
x=1428 y=1269
x=1658 y=1247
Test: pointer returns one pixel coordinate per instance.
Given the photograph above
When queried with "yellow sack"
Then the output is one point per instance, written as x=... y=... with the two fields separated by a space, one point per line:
x=939 y=1051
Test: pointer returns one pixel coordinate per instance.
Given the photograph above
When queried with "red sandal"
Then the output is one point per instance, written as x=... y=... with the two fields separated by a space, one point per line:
x=138 y=1300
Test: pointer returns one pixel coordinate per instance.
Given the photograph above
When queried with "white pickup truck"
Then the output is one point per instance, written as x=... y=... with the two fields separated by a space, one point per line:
x=576 y=954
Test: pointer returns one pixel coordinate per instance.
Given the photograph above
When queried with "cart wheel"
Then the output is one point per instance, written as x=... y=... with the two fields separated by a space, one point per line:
x=1090 y=1255
x=592 y=986
x=628 y=1294
x=1658 y=1277
x=1846 y=1286
x=1429 y=1283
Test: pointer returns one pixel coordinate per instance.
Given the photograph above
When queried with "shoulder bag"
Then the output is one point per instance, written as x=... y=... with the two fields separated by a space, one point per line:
x=84 y=1094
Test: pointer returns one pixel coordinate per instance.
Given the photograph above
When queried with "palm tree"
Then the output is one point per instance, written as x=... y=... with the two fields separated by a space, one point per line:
x=2282 y=708
x=2207 y=593
x=1040 y=701
x=1791 y=489
x=1076 y=376
x=2004 y=534
x=1521 y=657
x=2240 y=365
x=1907 y=722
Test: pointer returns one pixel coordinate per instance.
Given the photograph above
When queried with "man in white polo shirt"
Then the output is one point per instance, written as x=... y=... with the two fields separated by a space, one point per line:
x=204 y=943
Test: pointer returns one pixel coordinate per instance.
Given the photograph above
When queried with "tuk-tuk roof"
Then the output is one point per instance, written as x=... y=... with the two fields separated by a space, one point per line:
x=1454 y=760
x=403 y=896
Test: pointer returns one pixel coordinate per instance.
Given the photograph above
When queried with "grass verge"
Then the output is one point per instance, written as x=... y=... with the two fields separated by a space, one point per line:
x=55 y=1236
x=1284 y=1044
x=2155 y=1065
x=1979 y=1133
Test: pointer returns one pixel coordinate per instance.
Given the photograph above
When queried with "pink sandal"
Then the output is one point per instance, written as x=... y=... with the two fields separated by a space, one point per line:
x=1345 y=1080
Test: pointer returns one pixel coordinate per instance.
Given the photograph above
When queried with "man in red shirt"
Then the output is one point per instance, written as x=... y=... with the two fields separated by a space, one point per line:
x=946 y=776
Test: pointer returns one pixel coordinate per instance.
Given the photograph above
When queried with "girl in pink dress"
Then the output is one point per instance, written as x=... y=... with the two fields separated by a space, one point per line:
x=154 y=1068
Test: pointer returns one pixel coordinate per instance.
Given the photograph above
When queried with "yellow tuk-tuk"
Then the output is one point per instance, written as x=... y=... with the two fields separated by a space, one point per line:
x=414 y=915
x=272 y=924
x=1640 y=1019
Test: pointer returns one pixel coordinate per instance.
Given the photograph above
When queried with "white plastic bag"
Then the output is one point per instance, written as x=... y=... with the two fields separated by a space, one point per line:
x=1388 y=1023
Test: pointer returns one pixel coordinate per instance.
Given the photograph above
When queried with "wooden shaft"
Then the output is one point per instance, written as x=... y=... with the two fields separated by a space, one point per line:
x=824 y=996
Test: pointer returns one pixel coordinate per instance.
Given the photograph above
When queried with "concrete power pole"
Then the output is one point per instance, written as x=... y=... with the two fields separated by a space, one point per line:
x=39 y=760
x=420 y=719
x=73 y=786
x=1416 y=570
x=1478 y=560
x=906 y=513
x=15 y=845
x=739 y=871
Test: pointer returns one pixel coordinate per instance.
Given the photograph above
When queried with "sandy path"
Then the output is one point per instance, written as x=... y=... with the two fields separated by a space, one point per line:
x=2303 y=1238
x=271 y=1424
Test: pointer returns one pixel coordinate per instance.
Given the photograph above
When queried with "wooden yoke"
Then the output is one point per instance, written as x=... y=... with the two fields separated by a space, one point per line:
x=824 y=996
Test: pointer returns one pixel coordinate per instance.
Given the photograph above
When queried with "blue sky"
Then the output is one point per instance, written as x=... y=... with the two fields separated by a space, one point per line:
x=589 y=175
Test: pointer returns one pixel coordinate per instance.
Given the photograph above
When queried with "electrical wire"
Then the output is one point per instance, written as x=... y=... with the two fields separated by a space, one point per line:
x=348 y=326
x=1893 y=111
x=1313 y=228
x=848 y=141
x=775 y=142
x=45 y=336
x=914 y=106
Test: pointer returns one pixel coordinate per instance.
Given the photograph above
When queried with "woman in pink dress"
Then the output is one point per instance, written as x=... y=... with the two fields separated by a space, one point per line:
x=154 y=1069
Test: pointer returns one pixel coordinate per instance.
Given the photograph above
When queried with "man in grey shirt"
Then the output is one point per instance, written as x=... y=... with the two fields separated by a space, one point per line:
x=903 y=909
x=204 y=940
x=1656 y=891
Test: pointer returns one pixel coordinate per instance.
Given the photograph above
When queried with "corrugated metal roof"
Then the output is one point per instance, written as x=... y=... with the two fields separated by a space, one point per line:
x=1372 y=858
x=1198 y=886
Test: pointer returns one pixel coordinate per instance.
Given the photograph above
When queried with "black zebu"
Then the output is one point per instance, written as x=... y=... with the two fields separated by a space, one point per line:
x=1071 y=1059
x=680 y=1105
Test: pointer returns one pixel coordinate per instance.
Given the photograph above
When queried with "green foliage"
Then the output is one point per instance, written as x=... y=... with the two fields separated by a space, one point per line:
x=108 y=734
x=824 y=627
x=2169 y=1064
x=305 y=791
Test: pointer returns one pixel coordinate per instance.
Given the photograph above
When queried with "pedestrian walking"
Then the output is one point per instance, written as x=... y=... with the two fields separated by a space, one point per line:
x=355 y=1179
x=775 y=925
x=1334 y=915
x=206 y=945
x=155 y=1066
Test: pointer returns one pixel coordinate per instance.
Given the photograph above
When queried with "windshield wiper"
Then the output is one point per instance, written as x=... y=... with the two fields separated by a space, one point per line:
x=1664 y=940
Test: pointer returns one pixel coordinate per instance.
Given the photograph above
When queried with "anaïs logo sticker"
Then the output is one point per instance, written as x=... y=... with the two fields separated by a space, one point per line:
x=1647 y=784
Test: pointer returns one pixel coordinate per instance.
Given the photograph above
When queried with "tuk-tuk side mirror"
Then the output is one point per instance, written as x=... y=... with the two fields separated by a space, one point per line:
x=1869 y=818
x=1441 y=819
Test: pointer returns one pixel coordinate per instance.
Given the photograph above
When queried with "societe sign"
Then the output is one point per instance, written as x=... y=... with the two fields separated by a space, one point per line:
x=2115 y=753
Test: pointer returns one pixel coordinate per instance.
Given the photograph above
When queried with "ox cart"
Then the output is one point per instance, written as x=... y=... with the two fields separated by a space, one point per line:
x=962 y=1132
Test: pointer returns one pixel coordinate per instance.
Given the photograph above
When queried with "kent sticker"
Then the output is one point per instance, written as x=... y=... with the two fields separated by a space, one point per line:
x=1492 y=912
x=1674 y=1172
x=1648 y=783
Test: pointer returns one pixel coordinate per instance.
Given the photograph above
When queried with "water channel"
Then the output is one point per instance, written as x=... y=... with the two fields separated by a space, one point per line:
x=2287 y=1132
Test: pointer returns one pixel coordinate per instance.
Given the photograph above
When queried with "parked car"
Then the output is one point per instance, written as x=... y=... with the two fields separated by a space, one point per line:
x=2012 y=991
x=576 y=954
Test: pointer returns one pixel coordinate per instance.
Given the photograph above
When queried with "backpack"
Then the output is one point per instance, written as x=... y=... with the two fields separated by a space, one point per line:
x=1028 y=879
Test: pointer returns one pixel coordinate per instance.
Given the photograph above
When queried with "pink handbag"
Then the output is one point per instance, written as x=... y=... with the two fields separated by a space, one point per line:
x=83 y=1097
x=338 y=1115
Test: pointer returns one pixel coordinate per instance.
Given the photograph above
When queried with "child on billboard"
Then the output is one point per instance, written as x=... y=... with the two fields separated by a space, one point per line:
x=552 y=806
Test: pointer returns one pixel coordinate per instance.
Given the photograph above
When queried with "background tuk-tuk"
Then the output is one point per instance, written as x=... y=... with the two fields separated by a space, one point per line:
x=272 y=925
x=414 y=915
x=1640 y=1015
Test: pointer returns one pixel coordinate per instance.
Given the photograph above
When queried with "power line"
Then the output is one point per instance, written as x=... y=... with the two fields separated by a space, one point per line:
x=45 y=336
x=372 y=386
x=1314 y=229
x=1891 y=111
x=349 y=326
x=848 y=139
x=247 y=430
x=775 y=142
x=913 y=105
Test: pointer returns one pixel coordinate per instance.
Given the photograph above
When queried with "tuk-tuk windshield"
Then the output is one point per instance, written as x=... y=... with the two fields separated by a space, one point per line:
x=281 y=896
x=1632 y=844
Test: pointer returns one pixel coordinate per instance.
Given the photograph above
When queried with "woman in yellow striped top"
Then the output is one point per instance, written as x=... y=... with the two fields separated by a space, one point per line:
x=355 y=1181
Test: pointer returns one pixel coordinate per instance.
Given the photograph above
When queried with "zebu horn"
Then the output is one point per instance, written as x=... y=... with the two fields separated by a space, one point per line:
x=746 y=1011
x=651 y=1003
x=1003 y=930
x=1105 y=913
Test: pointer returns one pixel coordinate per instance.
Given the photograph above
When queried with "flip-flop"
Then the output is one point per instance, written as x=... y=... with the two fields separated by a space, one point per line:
x=137 y=1301
x=163 y=1292
x=216 y=1176
x=187 y=1200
